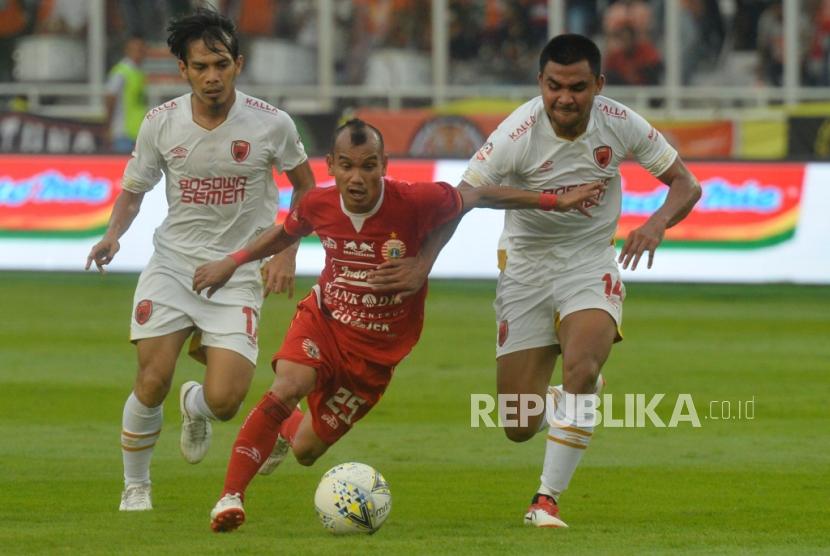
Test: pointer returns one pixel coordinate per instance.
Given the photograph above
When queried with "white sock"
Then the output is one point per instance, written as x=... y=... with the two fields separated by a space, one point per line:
x=196 y=405
x=567 y=440
x=140 y=428
x=555 y=392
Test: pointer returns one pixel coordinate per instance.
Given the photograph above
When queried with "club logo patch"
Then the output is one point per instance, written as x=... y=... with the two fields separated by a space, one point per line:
x=393 y=248
x=504 y=330
x=330 y=420
x=311 y=349
x=143 y=311
x=602 y=155
x=485 y=151
x=240 y=150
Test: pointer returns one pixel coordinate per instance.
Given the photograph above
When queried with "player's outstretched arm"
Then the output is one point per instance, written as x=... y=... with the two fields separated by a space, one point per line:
x=406 y=276
x=124 y=212
x=684 y=192
x=280 y=270
x=509 y=198
x=215 y=274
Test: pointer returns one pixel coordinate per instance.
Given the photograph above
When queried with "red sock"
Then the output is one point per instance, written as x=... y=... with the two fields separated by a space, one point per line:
x=254 y=442
x=289 y=427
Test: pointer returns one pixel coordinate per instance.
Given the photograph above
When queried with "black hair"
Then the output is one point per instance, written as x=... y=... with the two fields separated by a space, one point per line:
x=357 y=129
x=569 y=49
x=205 y=24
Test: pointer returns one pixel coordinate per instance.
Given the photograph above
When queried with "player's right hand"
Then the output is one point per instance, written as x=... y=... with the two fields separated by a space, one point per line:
x=576 y=198
x=213 y=275
x=102 y=253
x=404 y=277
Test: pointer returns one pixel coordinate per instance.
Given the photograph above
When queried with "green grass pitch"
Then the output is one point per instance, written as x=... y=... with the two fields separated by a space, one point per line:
x=731 y=486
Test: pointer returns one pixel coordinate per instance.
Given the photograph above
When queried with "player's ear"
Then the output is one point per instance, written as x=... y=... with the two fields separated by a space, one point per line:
x=383 y=163
x=330 y=163
x=182 y=68
x=600 y=82
x=240 y=61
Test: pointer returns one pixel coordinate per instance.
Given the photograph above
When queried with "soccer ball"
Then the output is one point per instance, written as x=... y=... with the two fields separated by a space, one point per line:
x=352 y=498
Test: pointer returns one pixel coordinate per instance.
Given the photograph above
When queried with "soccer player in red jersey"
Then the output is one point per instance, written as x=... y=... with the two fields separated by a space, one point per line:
x=345 y=340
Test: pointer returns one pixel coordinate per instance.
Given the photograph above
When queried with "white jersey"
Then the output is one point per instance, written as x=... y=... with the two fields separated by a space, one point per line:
x=220 y=185
x=524 y=152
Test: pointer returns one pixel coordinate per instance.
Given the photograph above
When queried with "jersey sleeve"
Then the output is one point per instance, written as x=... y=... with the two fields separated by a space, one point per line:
x=289 y=150
x=297 y=223
x=649 y=146
x=438 y=203
x=115 y=82
x=493 y=161
x=144 y=169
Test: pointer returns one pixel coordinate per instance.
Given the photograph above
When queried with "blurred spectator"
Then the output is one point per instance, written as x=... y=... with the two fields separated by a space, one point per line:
x=632 y=59
x=126 y=101
x=582 y=17
x=17 y=18
x=771 y=44
x=818 y=60
x=62 y=17
x=146 y=18
x=745 y=22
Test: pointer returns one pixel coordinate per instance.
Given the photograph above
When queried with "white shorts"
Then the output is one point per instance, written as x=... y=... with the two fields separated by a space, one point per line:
x=163 y=305
x=528 y=316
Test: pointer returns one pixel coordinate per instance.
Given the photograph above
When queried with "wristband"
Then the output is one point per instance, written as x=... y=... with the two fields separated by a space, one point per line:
x=547 y=201
x=241 y=257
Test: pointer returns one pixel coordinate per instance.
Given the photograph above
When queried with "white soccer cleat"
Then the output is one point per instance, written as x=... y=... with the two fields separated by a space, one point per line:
x=277 y=456
x=136 y=498
x=228 y=514
x=196 y=431
x=544 y=512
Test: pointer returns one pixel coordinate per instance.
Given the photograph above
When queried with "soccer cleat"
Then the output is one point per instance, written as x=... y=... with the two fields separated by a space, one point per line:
x=228 y=514
x=136 y=498
x=196 y=431
x=277 y=455
x=543 y=512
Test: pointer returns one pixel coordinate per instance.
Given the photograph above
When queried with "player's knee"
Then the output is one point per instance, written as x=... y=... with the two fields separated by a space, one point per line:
x=581 y=376
x=306 y=457
x=519 y=434
x=224 y=408
x=289 y=391
x=151 y=386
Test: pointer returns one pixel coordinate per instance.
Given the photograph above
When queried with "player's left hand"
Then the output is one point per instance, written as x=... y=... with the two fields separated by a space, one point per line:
x=213 y=275
x=278 y=273
x=645 y=238
x=404 y=276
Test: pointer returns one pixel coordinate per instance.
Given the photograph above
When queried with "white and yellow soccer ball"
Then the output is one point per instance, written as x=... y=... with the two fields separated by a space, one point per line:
x=352 y=498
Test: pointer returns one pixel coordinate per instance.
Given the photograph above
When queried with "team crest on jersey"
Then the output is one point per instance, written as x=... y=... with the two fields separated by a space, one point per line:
x=485 y=151
x=311 y=349
x=504 y=330
x=143 y=311
x=602 y=155
x=393 y=248
x=240 y=150
x=178 y=152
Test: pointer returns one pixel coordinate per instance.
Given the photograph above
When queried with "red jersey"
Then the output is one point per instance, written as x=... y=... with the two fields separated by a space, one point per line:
x=376 y=326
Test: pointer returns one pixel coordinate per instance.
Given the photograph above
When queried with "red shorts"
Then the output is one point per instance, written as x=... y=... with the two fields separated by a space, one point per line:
x=347 y=386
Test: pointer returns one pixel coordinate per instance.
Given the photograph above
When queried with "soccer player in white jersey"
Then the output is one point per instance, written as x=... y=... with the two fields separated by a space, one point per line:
x=559 y=291
x=216 y=148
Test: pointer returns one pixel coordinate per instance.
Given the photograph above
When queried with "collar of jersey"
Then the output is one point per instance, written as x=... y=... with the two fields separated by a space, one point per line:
x=231 y=112
x=592 y=125
x=365 y=215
